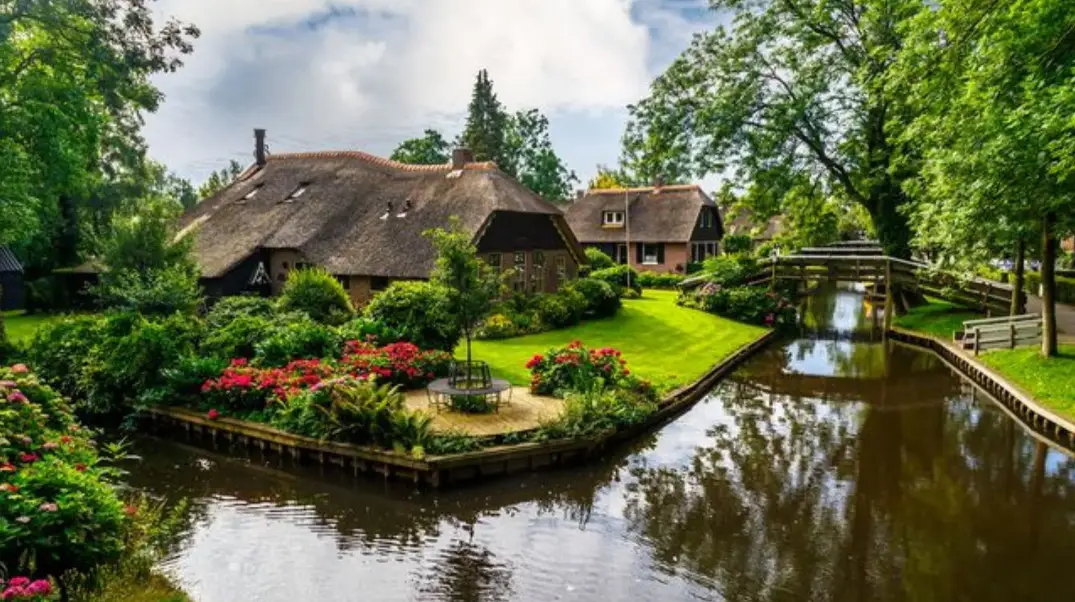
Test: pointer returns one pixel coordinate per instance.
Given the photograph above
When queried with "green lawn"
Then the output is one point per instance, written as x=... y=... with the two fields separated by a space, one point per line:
x=1050 y=381
x=660 y=340
x=22 y=326
x=939 y=318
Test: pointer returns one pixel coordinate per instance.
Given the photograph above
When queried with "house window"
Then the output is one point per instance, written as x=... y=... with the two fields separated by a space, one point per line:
x=613 y=218
x=519 y=284
x=493 y=259
x=621 y=254
x=378 y=283
x=707 y=218
x=701 y=250
x=561 y=269
x=537 y=273
x=286 y=265
x=651 y=254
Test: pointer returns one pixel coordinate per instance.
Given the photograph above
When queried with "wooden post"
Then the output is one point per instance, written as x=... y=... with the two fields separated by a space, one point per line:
x=1013 y=335
x=977 y=340
x=888 y=294
x=772 y=283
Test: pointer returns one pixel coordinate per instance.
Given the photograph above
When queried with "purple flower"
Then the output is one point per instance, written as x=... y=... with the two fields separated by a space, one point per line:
x=48 y=507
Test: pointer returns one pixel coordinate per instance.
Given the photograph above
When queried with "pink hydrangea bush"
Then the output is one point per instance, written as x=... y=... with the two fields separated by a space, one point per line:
x=22 y=589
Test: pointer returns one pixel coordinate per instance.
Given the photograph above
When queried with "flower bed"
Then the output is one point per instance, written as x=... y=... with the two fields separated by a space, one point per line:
x=744 y=303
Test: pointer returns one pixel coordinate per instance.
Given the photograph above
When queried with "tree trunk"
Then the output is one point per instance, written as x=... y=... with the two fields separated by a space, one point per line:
x=1048 y=286
x=1017 y=284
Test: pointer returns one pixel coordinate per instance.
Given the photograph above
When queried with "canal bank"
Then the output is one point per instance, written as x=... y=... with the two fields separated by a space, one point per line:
x=822 y=468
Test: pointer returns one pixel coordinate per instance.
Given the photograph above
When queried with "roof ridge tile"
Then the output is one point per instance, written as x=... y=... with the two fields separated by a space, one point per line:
x=375 y=160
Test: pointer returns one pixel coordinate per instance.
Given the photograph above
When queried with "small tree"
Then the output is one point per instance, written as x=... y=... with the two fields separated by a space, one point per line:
x=472 y=284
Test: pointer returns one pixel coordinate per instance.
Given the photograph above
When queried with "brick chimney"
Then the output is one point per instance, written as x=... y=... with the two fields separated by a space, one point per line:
x=460 y=157
x=579 y=194
x=259 y=147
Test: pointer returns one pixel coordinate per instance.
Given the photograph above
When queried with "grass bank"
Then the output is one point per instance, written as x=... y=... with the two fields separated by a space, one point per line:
x=668 y=344
x=1051 y=381
x=21 y=326
x=938 y=318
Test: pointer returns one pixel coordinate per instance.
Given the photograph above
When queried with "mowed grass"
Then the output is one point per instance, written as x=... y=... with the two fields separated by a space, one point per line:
x=22 y=326
x=661 y=341
x=1051 y=381
x=939 y=318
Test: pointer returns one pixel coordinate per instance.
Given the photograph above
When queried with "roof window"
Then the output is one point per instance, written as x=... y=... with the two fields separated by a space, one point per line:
x=387 y=211
x=301 y=190
x=406 y=208
x=253 y=193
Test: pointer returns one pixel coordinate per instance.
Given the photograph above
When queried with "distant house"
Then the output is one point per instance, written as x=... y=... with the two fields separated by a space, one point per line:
x=743 y=221
x=362 y=217
x=658 y=229
x=10 y=280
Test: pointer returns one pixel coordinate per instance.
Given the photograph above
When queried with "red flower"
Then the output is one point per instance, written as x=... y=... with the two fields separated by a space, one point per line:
x=131 y=510
x=28 y=458
x=80 y=467
x=238 y=362
x=20 y=369
x=65 y=439
x=213 y=414
x=8 y=487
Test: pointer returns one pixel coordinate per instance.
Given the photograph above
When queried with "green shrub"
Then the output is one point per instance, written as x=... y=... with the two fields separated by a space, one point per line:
x=737 y=243
x=60 y=511
x=554 y=311
x=618 y=277
x=183 y=384
x=60 y=349
x=729 y=270
x=228 y=309
x=300 y=339
x=319 y=294
x=744 y=303
x=764 y=250
x=497 y=326
x=238 y=337
x=371 y=331
x=598 y=410
x=419 y=312
x=658 y=280
x=1065 y=287
x=46 y=294
x=152 y=292
x=598 y=260
x=471 y=404
x=601 y=299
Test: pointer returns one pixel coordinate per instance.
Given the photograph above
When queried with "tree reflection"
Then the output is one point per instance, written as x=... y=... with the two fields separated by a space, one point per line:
x=801 y=500
x=467 y=572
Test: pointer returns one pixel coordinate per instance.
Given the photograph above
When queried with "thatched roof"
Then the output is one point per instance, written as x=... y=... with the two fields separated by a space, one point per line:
x=741 y=220
x=8 y=261
x=337 y=221
x=665 y=214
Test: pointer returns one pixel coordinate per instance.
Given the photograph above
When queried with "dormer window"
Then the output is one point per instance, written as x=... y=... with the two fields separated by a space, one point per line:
x=613 y=218
x=301 y=190
x=252 y=193
x=406 y=208
x=387 y=211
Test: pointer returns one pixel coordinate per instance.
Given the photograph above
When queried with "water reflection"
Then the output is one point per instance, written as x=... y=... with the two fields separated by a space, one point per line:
x=821 y=470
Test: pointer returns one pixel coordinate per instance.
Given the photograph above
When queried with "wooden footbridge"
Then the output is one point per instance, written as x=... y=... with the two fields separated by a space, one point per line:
x=865 y=261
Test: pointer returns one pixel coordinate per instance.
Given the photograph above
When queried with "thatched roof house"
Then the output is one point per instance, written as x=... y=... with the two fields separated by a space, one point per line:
x=362 y=217
x=660 y=228
x=741 y=220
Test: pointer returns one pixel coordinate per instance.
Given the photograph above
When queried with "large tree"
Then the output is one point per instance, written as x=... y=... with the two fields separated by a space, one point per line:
x=219 y=179
x=430 y=149
x=536 y=164
x=792 y=91
x=994 y=87
x=486 y=130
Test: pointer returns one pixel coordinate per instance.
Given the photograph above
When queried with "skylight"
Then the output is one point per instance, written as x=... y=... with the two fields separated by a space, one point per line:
x=301 y=190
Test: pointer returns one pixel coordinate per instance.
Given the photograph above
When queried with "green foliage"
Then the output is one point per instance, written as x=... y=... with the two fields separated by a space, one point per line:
x=365 y=329
x=607 y=178
x=218 y=180
x=59 y=350
x=574 y=368
x=598 y=260
x=316 y=292
x=659 y=280
x=420 y=312
x=1065 y=287
x=486 y=130
x=430 y=149
x=598 y=410
x=471 y=404
x=146 y=269
x=1050 y=380
x=497 y=326
x=729 y=270
x=737 y=243
x=228 y=309
x=621 y=277
x=535 y=163
x=298 y=339
x=239 y=337
x=939 y=318
x=602 y=300
x=354 y=411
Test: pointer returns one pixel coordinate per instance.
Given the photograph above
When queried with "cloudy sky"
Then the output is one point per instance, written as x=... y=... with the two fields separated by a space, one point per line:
x=366 y=74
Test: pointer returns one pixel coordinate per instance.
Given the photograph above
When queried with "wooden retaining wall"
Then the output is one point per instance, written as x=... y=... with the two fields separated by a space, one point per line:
x=1023 y=406
x=444 y=470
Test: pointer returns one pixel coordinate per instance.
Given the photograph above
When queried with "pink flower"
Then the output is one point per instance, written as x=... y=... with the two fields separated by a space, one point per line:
x=20 y=369
x=48 y=507
x=41 y=587
x=8 y=384
x=769 y=319
x=14 y=593
x=16 y=397
x=18 y=582
x=213 y=414
x=50 y=445
x=23 y=519
x=238 y=362
x=131 y=510
x=28 y=458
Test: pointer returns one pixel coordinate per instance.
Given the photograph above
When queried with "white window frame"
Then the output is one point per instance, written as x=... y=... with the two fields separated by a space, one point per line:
x=612 y=218
x=646 y=257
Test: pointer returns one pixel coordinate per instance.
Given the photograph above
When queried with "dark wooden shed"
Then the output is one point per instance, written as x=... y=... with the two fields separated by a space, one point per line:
x=11 y=280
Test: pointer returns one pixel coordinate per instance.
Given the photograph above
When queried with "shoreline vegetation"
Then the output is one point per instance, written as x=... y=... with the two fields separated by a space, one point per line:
x=1049 y=380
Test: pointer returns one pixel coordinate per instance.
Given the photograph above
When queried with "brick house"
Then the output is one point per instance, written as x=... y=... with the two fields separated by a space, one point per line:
x=656 y=229
x=362 y=217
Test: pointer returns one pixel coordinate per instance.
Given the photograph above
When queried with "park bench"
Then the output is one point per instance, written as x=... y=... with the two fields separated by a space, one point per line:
x=999 y=333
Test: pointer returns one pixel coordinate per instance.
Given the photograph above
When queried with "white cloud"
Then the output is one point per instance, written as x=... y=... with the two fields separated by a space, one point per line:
x=369 y=73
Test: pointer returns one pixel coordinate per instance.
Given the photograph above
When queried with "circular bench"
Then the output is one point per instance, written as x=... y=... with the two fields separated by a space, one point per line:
x=441 y=391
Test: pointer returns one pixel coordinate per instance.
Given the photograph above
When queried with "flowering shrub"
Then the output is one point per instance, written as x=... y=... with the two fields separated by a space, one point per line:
x=497 y=326
x=400 y=363
x=576 y=368
x=746 y=304
x=57 y=507
x=22 y=588
x=244 y=388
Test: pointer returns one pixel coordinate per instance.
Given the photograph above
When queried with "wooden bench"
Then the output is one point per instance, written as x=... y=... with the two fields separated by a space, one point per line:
x=999 y=333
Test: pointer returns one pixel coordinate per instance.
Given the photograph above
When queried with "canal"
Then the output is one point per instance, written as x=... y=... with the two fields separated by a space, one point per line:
x=832 y=466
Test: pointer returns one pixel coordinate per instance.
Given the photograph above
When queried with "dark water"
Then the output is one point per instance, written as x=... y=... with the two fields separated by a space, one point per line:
x=822 y=470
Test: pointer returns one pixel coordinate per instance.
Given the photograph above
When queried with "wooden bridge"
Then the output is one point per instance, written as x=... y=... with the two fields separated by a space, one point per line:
x=865 y=261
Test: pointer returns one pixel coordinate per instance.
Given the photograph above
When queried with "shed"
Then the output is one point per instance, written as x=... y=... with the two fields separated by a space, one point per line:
x=11 y=280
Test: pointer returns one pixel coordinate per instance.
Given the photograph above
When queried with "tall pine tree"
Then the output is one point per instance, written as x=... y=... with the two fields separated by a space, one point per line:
x=486 y=132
